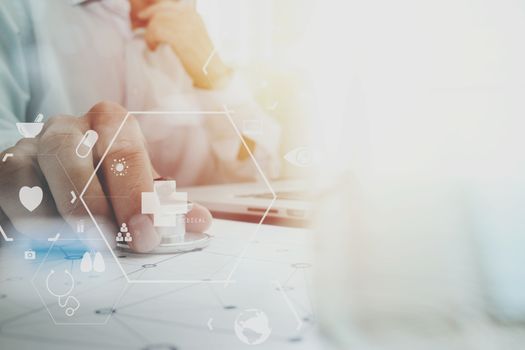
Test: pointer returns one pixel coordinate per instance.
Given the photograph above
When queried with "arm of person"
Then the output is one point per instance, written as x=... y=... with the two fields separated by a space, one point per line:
x=112 y=198
x=217 y=88
x=255 y=135
x=59 y=138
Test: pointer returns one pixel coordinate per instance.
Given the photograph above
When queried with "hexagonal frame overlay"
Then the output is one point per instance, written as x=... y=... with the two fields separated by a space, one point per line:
x=59 y=229
x=226 y=113
x=103 y=322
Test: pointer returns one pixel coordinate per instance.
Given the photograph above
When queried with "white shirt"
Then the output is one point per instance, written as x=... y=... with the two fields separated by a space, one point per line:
x=77 y=53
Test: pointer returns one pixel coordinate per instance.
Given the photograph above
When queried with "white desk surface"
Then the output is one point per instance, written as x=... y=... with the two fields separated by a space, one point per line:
x=176 y=315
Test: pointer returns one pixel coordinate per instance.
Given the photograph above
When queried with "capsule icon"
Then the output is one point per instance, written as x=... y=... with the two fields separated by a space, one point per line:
x=86 y=144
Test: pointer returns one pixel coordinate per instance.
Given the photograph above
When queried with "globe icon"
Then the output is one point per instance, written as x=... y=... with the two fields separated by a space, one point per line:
x=252 y=327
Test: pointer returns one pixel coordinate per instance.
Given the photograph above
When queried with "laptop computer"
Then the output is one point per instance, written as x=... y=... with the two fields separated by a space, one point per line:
x=250 y=201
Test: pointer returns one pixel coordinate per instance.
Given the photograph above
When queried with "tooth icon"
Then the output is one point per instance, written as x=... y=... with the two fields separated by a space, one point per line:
x=98 y=264
x=86 y=265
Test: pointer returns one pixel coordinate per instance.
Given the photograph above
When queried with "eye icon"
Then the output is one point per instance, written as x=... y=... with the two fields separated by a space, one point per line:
x=302 y=157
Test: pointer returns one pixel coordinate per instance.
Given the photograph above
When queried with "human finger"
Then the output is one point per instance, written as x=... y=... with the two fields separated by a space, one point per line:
x=60 y=138
x=198 y=219
x=126 y=170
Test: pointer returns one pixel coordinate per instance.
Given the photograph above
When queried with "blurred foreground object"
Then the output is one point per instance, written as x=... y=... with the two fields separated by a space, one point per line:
x=422 y=229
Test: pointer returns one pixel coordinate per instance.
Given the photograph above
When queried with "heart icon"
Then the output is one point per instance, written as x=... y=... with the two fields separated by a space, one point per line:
x=31 y=197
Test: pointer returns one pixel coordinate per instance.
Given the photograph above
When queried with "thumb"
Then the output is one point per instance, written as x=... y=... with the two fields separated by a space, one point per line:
x=198 y=219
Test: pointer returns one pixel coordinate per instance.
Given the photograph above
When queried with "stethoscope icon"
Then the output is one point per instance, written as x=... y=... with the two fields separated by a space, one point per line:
x=69 y=299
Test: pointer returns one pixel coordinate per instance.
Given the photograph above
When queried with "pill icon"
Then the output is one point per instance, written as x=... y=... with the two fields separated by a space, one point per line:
x=86 y=144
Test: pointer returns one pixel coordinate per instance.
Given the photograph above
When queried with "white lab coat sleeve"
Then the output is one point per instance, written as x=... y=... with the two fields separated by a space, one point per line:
x=15 y=35
x=244 y=118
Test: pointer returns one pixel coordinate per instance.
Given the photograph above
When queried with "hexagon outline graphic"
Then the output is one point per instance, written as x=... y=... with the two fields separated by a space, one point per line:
x=106 y=320
x=226 y=112
x=75 y=190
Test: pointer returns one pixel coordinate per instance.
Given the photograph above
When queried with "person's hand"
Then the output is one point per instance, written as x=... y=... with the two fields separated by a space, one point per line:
x=50 y=162
x=178 y=25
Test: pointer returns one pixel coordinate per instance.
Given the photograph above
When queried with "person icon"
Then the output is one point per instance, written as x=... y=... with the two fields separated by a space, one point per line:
x=123 y=231
x=128 y=237
x=119 y=237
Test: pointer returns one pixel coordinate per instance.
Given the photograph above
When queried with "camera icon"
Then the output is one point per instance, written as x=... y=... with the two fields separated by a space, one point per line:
x=30 y=255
